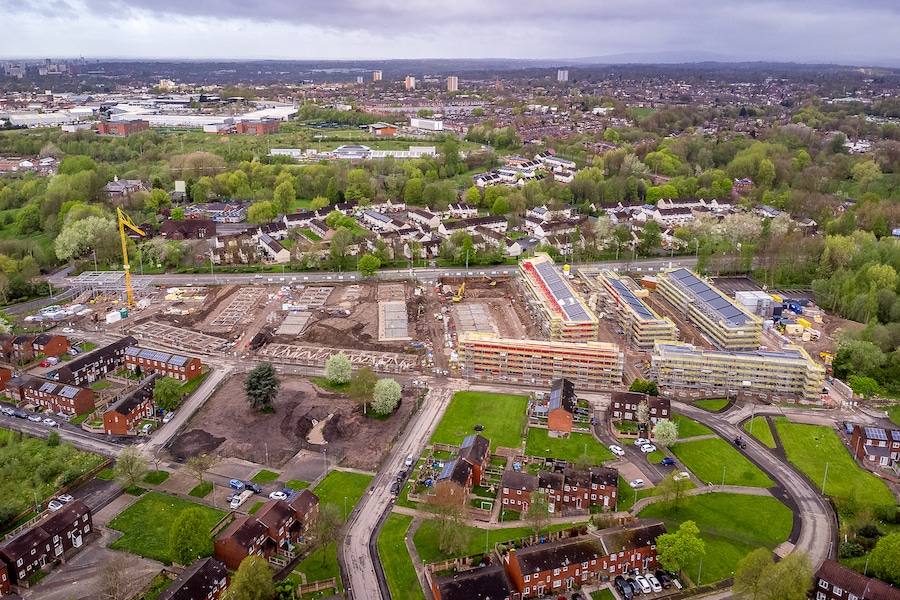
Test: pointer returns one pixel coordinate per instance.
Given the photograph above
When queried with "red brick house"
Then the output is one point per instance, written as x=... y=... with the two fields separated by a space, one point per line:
x=568 y=491
x=4 y=579
x=490 y=582
x=88 y=368
x=834 y=581
x=125 y=414
x=876 y=445
x=275 y=526
x=6 y=346
x=204 y=579
x=50 y=345
x=476 y=450
x=23 y=347
x=182 y=368
x=5 y=375
x=624 y=405
x=631 y=546
x=555 y=566
x=57 y=397
x=456 y=476
x=561 y=406
x=47 y=541
x=516 y=488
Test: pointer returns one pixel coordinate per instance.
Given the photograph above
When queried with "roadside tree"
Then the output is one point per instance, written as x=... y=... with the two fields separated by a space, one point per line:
x=665 y=432
x=368 y=265
x=537 y=515
x=362 y=385
x=677 y=549
x=131 y=466
x=386 y=395
x=326 y=528
x=167 y=393
x=252 y=580
x=199 y=464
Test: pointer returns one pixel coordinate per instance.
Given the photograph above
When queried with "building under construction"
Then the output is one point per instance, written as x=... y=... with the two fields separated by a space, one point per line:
x=788 y=373
x=564 y=317
x=641 y=325
x=591 y=365
x=726 y=324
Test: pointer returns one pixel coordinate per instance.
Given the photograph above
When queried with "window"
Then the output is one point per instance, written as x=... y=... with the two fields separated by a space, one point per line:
x=19 y=563
x=527 y=590
x=527 y=578
x=556 y=571
x=820 y=596
x=837 y=591
x=823 y=584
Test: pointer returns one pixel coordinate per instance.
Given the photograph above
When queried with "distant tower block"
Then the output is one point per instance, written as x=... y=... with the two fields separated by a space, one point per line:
x=376 y=75
x=452 y=83
x=410 y=82
x=562 y=75
x=359 y=79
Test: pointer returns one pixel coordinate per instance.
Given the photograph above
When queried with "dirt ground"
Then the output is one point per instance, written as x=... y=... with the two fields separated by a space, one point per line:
x=226 y=425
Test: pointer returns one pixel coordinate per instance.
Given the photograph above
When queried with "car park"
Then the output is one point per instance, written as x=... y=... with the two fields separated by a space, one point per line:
x=635 y=588
x=236 y=484
x=616 y=450
x=54 y=505
x=648 y=448
x=637 y=483
x=641 y=441
x=50 y=422
x=278 y=495
x=664 y=578
x=34 y=418
x=624 y=588
x=654 y=583
x=682 y=475
x=643 y=583
x=668 y=462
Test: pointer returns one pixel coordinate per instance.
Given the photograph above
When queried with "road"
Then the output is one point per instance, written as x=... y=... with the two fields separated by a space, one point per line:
x=358 y=565
x=73 y=434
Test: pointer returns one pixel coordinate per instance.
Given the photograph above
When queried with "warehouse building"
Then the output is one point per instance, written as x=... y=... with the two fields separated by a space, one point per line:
x=589 y=365
x=727 y=325
x=564 y=317
x=788 y=373
x=642 y=326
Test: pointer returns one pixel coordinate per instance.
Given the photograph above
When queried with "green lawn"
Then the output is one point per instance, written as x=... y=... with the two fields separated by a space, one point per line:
x=313 y=568
x=426 y=539
x=894 y=414
x=398 y=568
x=106 y=474
x=712 y=404
x=811 y=447
x=642 y=113
x=296 y=484
x=338 y=485
x=627 y=495
x=31 y=470
x=761 y=431
x=690 y=428
x=311 y=235
x=191 y=385
x=732 y=525
x=146 y=524
x=604 y=594
x=100 y=385
x=156 y=477
x=201 y=490
x=502 y=415
x=265 y=476
x=707 y=459
x=540 y=443
x=256 y=506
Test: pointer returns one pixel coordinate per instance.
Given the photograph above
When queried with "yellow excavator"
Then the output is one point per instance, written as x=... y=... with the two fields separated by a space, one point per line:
x=490 y=281
x=827 y=357
x=459 y=295
x=125 y=221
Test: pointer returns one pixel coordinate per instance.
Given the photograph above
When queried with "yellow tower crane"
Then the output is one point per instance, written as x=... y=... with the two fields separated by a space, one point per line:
x=125 y=221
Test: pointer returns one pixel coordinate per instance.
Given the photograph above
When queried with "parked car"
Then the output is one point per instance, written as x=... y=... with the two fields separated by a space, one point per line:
x=664 y=578
x=409 y=460
x=68 y=330
x=7 y=411
x=682 y=475
x=616 y=450
x=168 y=416
x=34 y=418
x=236 y=484
x=50 y=422
x=648 y=448
x=668 y=462
x=654 y=582
x=395 y=488
x=641 y=441
x=240 y=499
x=635 y=588
x=645 y=585
x=637 y=483
x=401 y=475
x=278 y=495
x=233 y=495
x=624 y=588
x=253 y=487
x=64 y=498
x=54 y=505
x=20 y=414
x=147 y=428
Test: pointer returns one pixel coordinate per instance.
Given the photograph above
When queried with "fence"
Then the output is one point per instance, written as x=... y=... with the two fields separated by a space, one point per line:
x=315 y=586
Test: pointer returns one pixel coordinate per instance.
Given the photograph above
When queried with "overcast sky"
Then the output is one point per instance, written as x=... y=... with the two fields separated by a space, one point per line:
x=865 y=32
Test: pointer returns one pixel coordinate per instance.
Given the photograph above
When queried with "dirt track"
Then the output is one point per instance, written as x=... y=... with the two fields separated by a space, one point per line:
x=226 y=425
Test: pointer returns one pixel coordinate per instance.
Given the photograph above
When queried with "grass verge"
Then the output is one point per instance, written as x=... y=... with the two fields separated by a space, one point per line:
x=265 y=476
x=297 y=484
x=716 y=461
x=760 y=429
x=712 y=404
x=343 y=490
x=155 y=477
x=398 y=567
x=690 y=428
x=200 y=491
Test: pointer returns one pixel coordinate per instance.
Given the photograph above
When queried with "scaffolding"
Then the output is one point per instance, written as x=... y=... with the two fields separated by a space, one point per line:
x=641 y=325
x=564 y=317
x=104 y=282
x=728 y=325
x=590 y=365
x=789 y=372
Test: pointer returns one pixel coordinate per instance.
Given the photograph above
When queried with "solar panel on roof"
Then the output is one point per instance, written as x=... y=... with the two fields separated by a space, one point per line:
x=561 y=292
x=873 y=433
x=47 y=387
x=895 y=435
x=178 y=361
x=132 y=351
x=69 y=392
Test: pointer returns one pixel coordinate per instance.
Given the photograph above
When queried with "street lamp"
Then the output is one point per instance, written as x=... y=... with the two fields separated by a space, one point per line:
x=825 y=478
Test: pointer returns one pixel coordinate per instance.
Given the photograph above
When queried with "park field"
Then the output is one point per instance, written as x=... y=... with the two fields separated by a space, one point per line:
x=716 y=461
x=342 y=489
x=572 y=448
x=501 y=415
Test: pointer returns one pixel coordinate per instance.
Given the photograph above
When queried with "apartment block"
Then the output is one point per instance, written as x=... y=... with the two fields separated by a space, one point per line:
x=725 y=323
x=789 y=372
x=642 y=326
x=262 y=127
x=88 y=368
x=453 y=83
x=589 y=365
x=564 y=317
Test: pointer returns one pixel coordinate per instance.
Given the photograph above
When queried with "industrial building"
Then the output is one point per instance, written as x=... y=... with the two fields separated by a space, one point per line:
x=589 y=365
x=564 y=317
x=642 y=326
x=727 y=325
x=788 y=373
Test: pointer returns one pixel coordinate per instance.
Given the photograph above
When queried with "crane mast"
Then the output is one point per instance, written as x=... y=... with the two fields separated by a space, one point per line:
x=125 y=221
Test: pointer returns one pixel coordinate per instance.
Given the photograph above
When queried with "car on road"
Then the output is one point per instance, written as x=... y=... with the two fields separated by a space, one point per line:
x=409 y=460
x=682 y=475
x=641 y=441
x=648 y=448
x=278 y=495
x=401 y=475
x=50 y=422
x=20 y=414
x=616 y=450
x=236 y=484
x=740 y=443
x=54 y=505
x=395 y=488
x=623 y=587
x=654 y=582
x=168 y=416
x=664 y=578
x=637 y=483
x=253 y=487
x=645 y=585
x=34 y=418
x=668 y=462
x=68 y=330
x=65 y=498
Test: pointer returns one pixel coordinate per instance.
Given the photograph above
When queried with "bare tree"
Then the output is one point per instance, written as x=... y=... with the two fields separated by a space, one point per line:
x=201 y=463
x=115 y=583
x=537 y=515
x=447 y=505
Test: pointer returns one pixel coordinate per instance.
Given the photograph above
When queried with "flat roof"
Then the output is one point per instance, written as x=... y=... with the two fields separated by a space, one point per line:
x=791 y=353
x=710 y=296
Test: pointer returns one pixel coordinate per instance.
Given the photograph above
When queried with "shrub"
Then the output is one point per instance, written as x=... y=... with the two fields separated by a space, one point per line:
x=869 y=531
x=850 y=550
x=53 y=439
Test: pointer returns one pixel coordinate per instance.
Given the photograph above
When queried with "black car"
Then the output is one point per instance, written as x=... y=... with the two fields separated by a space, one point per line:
x=253 y=487
x=401 y=475
x=623 y=587
x=635 y=588
x=740 y=443
x=664 y=579
x=395 y=488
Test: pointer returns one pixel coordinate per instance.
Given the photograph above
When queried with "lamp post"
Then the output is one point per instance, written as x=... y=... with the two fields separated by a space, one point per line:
x=825 y=478
x=345 y=508
x=324 y=460
x=267 y=454
x=723 y=476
